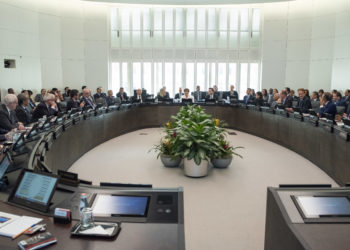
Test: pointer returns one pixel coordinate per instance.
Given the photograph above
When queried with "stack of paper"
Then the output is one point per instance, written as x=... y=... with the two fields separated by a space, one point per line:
x=14 y=225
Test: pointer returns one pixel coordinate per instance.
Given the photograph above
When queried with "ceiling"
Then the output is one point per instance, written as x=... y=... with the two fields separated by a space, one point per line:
x=188 y=2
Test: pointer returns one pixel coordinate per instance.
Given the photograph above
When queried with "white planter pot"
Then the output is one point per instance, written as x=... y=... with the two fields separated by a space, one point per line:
x=193 y=170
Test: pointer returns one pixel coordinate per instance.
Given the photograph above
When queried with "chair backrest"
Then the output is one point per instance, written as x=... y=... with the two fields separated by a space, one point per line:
x=315 y=104
x=340 y=110
x=101 y=101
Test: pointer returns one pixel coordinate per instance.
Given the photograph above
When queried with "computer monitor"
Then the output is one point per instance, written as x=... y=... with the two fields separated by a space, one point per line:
x=4 y=165
x=19 y=143
x=34 y=190
x=107 y=205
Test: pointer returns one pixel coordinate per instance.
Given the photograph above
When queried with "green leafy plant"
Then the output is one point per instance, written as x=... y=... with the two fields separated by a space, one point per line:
x=194 y=134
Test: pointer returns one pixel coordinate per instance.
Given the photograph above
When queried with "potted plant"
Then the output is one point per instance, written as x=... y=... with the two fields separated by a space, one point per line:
x=196 y=135
x=166 y=148
x=222 y=157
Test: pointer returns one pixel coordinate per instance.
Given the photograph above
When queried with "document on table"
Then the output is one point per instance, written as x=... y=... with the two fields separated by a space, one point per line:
x=19 y=225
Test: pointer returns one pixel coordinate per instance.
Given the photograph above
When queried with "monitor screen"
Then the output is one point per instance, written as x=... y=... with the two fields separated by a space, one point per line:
x=323 y=206
x=36 y=188
x=117 y=205
x=5 y=163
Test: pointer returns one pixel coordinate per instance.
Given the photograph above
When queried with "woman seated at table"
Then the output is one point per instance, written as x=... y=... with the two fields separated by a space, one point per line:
x=259 y=99
x=186 y=95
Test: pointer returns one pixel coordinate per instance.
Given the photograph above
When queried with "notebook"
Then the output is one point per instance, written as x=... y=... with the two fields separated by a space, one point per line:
x=18 y=225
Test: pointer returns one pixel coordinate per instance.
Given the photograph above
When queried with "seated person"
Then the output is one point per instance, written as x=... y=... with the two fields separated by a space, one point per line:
x=66 y=93
x=230 y=94
x=275 y=99
x=338 y=100
x=110 y=99
x=198 y=94
x=99 y=94
x=211 y=95
x=347 y=96
x=315 y=96
x=162 y=95
x=138 y=97
x=286 y=101
x=248 y=97
x=89 y=102
x=122 y=95
x=8 y=118
x=327 y=106
x=40 y=97
x=31 y=102
x=48 y=107
x=10 y=91
x=187 y=95
x=259 y=99
x=216 y=92
x=166 y=93
x=74 y=103
x=22 y=112
x=179 y=94
x=265 y=95
x=292 y=94
x=304 y=103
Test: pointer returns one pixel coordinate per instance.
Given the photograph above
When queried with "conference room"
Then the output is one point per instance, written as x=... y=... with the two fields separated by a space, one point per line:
x=173 y=124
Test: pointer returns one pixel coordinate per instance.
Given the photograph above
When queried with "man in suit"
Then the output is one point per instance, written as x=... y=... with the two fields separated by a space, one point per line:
x=198 y=95
x=338 y=100
x=8 y=118
x=304 y=103
x=347 y=96
x=248 y=96
x=89 y=102
x=211 y=95
x=327 y=106
x=285 y=100
x=66 y=93
x=111 y=100
x=40 y=97
x=138 y=97
x=99 y=94
x=178 y=95
x=230 y=94
x=46 y=108
x=22 y=112
x=73 y=103
x=122 y=95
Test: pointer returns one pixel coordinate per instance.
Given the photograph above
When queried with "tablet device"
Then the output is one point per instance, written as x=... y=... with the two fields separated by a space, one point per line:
x=107 y=205
x=4 y=165
x=34 y=190
x=19 y=142
x=33 y=131
x=311 y=207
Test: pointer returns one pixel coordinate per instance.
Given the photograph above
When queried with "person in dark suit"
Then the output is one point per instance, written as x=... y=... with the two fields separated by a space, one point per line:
x=286 y=101
x=89 y=102
x=327 y=106
x=46 y=108
x=40 y=97
x=4 y=134
x=259 y=101
x=347 y=112
x=211 y=95
x=178 y=95
x=304 y=103
x=122 y=95
x=230 y=94
x=74 y=103
x=99 y=94
x=8 y=118
x=198 y=94
x=22 y=112
x=110 y=99
x=248 y=96
x=138 y=97
x=347 y=96
x=66 y=93
x=338 y=100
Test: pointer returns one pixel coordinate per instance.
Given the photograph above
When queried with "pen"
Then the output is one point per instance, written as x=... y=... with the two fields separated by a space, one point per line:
x=14 y=237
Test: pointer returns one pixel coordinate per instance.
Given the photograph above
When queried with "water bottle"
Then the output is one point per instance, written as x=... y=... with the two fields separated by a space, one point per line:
x=83 y=201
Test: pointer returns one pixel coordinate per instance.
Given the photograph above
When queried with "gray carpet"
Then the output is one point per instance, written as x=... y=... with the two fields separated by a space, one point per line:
x=226 y=209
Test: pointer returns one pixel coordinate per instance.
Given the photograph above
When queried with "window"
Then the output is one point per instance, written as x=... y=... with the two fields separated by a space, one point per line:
x=190 y=76
x=156 y=46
